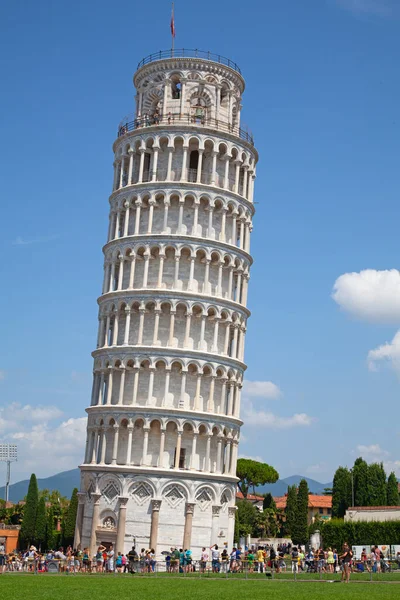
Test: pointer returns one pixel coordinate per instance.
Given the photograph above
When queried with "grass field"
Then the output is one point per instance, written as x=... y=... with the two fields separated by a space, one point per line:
x=81 y=587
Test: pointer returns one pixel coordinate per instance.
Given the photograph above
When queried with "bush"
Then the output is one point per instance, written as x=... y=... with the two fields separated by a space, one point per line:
x=336 y=532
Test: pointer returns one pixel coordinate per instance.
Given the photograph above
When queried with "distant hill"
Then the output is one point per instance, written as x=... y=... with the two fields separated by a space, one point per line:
x=64 y=482
x=280 y=487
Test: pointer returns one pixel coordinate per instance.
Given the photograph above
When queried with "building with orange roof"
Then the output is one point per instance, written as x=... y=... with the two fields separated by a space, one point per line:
x=318 y=506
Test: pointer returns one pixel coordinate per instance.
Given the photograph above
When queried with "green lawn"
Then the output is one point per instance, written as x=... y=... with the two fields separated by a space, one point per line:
x=85 y=587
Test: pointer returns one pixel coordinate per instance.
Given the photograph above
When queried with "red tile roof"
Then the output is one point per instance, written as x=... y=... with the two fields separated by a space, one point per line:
x=314 y=501
x=251 y=497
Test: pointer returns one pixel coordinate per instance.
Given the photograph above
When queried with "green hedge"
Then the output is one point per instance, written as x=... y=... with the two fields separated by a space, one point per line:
x=336 y=532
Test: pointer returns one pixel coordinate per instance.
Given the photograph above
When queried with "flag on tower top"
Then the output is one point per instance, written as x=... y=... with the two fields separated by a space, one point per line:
x=173 y=22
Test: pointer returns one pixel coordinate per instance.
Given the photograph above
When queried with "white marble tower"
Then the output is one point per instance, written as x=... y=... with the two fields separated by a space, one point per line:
x=163 y=423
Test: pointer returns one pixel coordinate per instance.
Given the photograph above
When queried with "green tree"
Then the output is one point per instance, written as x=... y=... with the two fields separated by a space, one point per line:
x=300 y=530
x=269 y=502
x=341 y=492
x=41 y=522
x=70 y=519
x=392 y=491
x=376 y=485
x=28 y=526
x=247 y=517
x=50 y=531
x=291 y=510
x=360 y=482
x=252 y=473
x=327 y=491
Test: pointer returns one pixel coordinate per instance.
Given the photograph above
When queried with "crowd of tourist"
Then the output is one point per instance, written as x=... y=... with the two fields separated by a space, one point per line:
x=255 y=559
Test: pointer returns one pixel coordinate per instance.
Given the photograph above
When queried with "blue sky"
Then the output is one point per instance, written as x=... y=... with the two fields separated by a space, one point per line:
x=322 y=99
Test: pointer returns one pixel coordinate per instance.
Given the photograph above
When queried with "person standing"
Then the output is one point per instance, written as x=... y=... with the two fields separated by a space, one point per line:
x=215 y=564
x=346 y=558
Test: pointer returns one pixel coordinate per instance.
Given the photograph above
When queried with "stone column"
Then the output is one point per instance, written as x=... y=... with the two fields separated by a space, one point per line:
x=187 y=329
x=183 y=96
x=216 y=329
x=79 y=519
x=214 y=167
x=145 y=445
x=109 y=385
x=121 y=386
x=166 y=207
x=152 y=203
x=132 y=272
x=146 y=269
x=95 y=448
x=155 y=515
x=195 y=217
x=184 y=162
x=151 y=386
x=198 y=389
x=138 y=204
x=199 y=166
x=187 y=532
x=166 y=389
x=129 y=447
x=160 y=462
x=103 y=446
x=219 y=455
x=160 y=271
x=157 y=312
x=95 y=522
x=170 y=150
x=171 y=328
x=178 y=449
x=210 y=403
x=123 y=501
x=127 y=325
x=223 y=224
x=193 y=453
x=142 y=310
x=115 y=444
x=131 y=153
x=135 y=384
x=208 y=448
x=141 y=164
x=227 y=464
x=214 y=525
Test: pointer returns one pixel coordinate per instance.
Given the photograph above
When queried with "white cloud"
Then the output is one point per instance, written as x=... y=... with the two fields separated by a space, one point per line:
x=2 y=375
x=375 y=7
x=389 y=353
x=318 y=468
x=256 y=458
x=261 y=389
x=269 y=420
x=46 y=445
x=372 y=453
x=20 y=241
x=370 y=294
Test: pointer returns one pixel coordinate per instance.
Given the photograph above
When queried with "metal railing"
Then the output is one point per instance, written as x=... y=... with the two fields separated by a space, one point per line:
x=189 y=53
x=279 y=570
x=130 y=124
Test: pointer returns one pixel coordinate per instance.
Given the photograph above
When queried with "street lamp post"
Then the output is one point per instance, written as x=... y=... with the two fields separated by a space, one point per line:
x=8 y=454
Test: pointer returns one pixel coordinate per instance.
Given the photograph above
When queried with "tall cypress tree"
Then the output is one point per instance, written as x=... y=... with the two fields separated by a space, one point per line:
x=28 y=525
x=269 y=501
x=70 y=519
x=50 y=533
x=376 y=485
x=41 y=523
x=291 y=510
x=341 y=492
x=300 y=533
x=360 y=475
x=393 y=498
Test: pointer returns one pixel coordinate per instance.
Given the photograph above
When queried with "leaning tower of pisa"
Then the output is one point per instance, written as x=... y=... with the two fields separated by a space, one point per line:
x=164 y=418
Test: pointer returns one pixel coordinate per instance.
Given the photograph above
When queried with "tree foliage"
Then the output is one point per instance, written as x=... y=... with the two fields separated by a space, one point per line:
x=252 y=474
x=247 y=517
x=291 y=510
x=360 y=482
x=376 y=486
x=269 y=502
x=300 y=530
x=28 y=526
x=41 y=522
x=392 y=491
x=70 y=519
x=341 y=492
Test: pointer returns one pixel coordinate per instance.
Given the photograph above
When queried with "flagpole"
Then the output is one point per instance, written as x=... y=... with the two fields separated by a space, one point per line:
x=173 y=31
